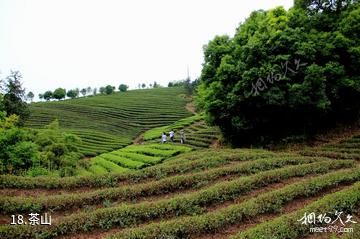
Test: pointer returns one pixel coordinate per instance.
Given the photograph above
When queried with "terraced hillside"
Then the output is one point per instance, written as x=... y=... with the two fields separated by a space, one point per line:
x=346 y=149
x=197 y=133
x=150 y=152
x=105 y=123
x=208 y=193
x=131 y=157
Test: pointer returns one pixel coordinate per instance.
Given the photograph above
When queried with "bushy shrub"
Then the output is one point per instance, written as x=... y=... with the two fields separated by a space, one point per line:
x=37 y=171
x=24 y=149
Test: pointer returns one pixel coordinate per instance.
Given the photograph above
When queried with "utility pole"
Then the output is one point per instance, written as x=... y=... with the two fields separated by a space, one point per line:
x=188 y=74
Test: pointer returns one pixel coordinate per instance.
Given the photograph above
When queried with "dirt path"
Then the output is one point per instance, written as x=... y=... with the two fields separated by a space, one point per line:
x=191 y=107
x=139 y=139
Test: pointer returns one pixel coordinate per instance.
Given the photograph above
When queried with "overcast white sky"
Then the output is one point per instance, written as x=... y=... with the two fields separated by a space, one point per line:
x=80 y=43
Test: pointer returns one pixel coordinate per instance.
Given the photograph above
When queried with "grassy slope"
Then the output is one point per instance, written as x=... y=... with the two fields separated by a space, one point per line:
x=106 y=123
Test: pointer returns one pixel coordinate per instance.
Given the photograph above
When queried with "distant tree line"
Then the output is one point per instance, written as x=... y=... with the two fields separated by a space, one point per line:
x=187 y=84
x=151 y=85
x=61 y=93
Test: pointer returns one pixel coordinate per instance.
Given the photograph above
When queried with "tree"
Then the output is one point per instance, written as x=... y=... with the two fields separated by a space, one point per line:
x=284 y=73
x=143 y=85
x=94 y=91
x=88 y=90
x=59 y=94
x=102 y=90
x=14 y=96
x=72 y=93
x=83 y=91
x=123 y=87
x=34 y=150
x=2 y=107
x=170 y=84
x=41 y=96
x=109 y=89
x=30 y=96
x=48 y=95
x=155 y=85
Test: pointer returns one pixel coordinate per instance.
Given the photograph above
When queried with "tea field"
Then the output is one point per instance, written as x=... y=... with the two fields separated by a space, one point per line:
x=203 y=193
x=149 y=151
x=109 y=122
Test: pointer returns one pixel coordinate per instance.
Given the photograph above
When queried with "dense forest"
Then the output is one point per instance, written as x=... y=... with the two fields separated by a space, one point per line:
x=285 y=74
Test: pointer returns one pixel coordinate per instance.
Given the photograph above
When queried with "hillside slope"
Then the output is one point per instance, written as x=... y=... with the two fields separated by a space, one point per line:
x=105 y=123
x=150 y=151
x=209 y=193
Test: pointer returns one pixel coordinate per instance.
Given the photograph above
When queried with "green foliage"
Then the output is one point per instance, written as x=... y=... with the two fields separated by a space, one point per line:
x=136 y=157
x=22 y=149
x=123 y=87
x=163 y=186
x=348 y=149
x=188 y=85
x=156 y=132
x=48 y=95
x=187 y=162
x=83 y=91
x=37 y=171
x=59 y=94
x=102 y=90
x=106 y=123
x=194 y=203
x=13 y=99
x=284 y=73
x=108 y=165
x=72 y=94
x=109 y=89
x=288 y=226
x=30 y=96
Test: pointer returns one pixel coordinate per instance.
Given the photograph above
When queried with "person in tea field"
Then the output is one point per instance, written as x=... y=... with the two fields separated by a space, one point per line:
x=182 y=136
x=172 y=134
x=163 y=138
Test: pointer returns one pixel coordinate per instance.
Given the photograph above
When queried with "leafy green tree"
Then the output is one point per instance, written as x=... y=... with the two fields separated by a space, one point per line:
x=123 y=87
x=143 y=85
x=72 y=94
x=41 y=96
x=171 y=84
x=94 y=91
x=102 y=90
x=88 y=90
x=284 y=73
x=109 y=89
x=14 y=96
x=48 y=95
x=17 y=151
x=59 y=94
x=30 y=96
x=2 y=107
x=56 y=151
x=83 y=91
